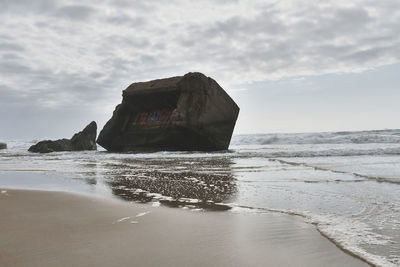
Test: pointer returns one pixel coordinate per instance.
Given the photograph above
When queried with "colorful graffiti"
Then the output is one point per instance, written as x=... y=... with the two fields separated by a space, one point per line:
x=156 y=118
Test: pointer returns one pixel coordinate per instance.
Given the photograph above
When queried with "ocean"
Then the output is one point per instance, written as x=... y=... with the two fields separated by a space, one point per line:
x=345 y=183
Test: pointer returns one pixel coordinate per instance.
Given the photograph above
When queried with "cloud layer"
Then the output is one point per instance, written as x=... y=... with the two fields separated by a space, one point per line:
x=56 y=54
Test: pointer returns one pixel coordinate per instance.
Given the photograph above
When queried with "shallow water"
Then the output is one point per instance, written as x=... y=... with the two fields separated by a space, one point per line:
x=346 y=183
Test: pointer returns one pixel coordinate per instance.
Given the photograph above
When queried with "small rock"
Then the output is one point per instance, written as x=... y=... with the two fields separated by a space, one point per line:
x=48 y=146
x=84 y=140
x=3 y=146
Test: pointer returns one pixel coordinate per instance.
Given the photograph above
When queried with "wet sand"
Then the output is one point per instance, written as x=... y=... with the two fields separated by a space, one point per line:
x=41 y=228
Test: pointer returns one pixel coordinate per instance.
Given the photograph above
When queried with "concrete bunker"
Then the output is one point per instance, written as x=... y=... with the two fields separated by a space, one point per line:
x=190 y=112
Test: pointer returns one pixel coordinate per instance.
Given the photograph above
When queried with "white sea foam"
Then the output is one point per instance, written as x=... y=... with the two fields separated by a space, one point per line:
x=142 y=214
x=121 y=220
x=155 y=204
x=352 y=236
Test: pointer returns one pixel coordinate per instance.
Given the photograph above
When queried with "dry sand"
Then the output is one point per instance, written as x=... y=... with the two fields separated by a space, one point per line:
x=40 y=228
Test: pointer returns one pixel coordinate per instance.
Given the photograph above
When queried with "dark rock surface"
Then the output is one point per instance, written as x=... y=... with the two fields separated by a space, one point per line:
x=190 y=112
x=84 y=140
x=3 y=145
x=48 y=146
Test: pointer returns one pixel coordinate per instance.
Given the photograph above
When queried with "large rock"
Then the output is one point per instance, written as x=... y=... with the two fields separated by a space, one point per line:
x=84 y=140
x=190 y=112
x=3 y=145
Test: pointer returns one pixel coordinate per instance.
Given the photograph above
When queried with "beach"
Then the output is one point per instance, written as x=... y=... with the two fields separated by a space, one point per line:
x=200 y=133
x=44 y=228
x=314 y=199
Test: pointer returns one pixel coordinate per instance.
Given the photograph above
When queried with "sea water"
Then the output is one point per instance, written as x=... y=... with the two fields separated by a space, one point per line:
x=346 y=183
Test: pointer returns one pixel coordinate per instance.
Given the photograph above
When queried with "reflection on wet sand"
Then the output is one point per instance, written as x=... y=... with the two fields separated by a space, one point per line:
x=194 y=183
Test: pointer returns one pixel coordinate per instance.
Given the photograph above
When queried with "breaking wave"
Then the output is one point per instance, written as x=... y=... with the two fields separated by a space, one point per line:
x=359 y=137
x=317 y=150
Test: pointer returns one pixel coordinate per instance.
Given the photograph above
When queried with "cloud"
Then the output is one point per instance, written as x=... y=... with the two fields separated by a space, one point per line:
x=282 y=42
x=121 y=19
x=6 y=46
x=110 y=44
x=47 y=8
x=26 y=6
x=74 y=12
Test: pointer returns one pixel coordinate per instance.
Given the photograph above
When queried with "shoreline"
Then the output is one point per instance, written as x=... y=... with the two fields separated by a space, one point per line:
x=43 y=228
x=342 y=248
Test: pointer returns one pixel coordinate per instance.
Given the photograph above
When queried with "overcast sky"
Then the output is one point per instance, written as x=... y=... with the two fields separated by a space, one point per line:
x=292 y=66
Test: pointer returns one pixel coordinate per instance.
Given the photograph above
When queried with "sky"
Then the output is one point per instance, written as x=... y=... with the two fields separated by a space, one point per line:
x=291 y=65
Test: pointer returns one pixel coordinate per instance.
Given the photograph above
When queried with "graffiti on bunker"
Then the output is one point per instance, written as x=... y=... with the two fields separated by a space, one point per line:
x=156 y=118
